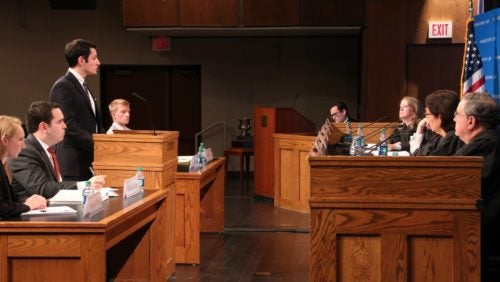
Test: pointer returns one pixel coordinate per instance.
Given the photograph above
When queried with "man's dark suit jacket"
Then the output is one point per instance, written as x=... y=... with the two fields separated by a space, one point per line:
x=33 y=172
x=76 y=152
x=10 y=203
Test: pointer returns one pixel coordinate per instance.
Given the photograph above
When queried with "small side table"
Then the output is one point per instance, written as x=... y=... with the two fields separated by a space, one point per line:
x=244 y=155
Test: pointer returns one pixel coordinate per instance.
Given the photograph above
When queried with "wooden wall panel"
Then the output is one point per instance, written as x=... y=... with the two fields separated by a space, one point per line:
x=333 y=12
x=271 y=13
x=384 y=44
x=420 y=12
x=207 y=13
x=150 y=13
x=432 y=67
x=389 y=73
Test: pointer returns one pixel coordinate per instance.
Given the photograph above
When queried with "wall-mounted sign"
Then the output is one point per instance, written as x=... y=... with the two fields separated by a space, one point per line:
x=440 y=29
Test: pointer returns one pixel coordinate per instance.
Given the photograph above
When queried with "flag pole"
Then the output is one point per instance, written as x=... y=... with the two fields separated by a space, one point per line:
x=473 y=79
x=471 y=9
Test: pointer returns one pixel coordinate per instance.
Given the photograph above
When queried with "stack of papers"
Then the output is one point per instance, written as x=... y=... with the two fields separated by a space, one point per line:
x=51 y=211
x=70 y=197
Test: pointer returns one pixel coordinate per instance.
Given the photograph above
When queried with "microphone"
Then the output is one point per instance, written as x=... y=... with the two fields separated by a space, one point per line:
x=295 y=100
x=147 y=109
x=386 y=126
x=394 y=134
x=378 y=120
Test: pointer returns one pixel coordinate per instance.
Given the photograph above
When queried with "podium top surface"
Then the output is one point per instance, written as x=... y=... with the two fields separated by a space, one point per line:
x=137 y=136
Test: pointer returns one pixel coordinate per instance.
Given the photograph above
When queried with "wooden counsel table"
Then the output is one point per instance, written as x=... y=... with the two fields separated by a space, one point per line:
x=395 y=218
x=125 y=242
x=199 y=207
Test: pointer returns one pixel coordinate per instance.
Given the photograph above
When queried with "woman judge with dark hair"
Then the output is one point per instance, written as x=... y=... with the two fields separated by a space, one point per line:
x=435 y=134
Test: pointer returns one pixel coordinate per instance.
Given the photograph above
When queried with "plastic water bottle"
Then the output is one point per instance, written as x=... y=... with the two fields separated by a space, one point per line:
x=139 y=174
x=348 y=133
x=353 y=150
x=87 y=190
x=382 y=148
x=201 y=156
x=361 y=137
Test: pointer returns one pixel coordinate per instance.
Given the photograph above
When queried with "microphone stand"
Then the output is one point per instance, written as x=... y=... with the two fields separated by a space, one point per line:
x=148 y=110
x=380 y=142
x=386 y=126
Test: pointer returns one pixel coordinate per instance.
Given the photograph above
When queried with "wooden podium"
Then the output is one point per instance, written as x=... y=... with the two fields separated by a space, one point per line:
x=395 y=218
x=267 y=121
x=118 y=155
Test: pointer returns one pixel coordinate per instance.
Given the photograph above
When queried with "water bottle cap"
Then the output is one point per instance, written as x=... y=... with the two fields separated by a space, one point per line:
x=139 y=169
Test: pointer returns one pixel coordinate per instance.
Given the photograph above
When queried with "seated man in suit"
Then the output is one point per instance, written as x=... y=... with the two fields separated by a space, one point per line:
x=340 y=113
x=36 y=170
x=476 y=119
x=120 y=113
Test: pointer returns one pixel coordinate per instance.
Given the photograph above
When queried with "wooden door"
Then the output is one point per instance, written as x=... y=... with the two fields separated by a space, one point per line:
x=173 y=94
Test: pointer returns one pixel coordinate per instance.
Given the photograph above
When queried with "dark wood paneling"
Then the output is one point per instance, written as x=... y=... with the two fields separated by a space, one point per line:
x=150 y=13
x=121 y=81
x=185 y=106
x=333 y=12
x=271 y=13
x=209 y=13
x=383 y=60
x=174 y=95
x=432 y=67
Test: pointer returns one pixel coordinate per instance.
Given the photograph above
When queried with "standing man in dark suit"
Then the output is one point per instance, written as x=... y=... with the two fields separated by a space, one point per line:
x=36 y=169
x=80 y=109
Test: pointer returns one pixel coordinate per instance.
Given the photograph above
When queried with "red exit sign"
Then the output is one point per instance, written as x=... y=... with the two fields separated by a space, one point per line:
x=440 y=29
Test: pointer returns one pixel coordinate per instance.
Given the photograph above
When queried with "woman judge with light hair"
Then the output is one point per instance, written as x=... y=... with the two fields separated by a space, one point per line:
x=410 y=113
x=11 y=143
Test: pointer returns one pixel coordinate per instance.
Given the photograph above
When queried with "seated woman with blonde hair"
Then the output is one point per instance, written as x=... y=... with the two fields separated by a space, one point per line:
x=410 y=113
x=11 y=143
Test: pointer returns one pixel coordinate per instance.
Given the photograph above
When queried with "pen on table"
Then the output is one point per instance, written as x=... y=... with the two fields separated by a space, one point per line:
x=92 y=171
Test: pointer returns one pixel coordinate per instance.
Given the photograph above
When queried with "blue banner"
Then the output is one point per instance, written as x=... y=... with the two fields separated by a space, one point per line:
x=487 y=28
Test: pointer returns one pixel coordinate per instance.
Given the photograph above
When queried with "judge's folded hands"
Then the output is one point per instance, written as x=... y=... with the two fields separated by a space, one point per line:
x=36 y=202
x=98 y=181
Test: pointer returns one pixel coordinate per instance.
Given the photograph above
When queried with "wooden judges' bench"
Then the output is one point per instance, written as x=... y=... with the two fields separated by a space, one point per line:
x=395 y=218
x=291 y=166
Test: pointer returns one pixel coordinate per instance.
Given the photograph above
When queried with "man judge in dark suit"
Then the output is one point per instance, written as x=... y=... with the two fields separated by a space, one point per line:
x=35 y=170
x=80 y=109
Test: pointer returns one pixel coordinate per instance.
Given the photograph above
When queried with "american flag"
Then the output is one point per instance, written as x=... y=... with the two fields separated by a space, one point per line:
x=472 y=73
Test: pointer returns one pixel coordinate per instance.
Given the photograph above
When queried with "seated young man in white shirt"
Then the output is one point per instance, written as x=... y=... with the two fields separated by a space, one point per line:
x=120 y=113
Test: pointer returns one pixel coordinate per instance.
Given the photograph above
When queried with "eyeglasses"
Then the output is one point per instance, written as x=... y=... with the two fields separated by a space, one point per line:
x=335 y=114
x=456 y=114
